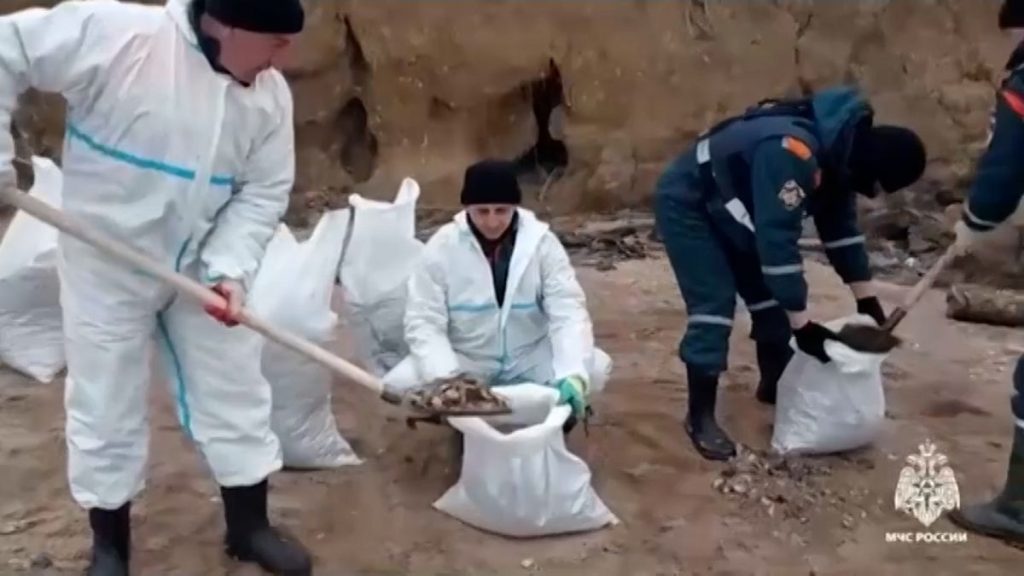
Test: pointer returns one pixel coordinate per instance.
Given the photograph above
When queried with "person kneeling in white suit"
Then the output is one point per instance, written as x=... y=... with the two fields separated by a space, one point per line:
x=495 y=297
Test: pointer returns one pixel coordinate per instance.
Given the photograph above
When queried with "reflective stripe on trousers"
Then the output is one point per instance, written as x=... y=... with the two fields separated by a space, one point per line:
x=710 y=319
x=1017 y=398
x=710 y=278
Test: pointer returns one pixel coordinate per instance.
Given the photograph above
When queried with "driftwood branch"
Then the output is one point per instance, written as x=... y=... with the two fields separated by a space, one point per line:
x=985 y=305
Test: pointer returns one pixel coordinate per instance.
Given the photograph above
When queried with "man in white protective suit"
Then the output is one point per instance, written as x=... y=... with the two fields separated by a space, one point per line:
x=180 y=142
x=495 y=297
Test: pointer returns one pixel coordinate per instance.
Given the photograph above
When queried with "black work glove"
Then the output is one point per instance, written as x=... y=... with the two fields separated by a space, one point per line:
x=811 y=339
x=871 y=307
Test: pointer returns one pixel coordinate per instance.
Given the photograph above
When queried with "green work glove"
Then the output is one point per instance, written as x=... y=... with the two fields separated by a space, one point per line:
x=573 y=390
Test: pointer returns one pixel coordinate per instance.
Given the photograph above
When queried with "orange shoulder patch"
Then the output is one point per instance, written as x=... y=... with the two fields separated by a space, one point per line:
x=798 y=148
x=1013 y=100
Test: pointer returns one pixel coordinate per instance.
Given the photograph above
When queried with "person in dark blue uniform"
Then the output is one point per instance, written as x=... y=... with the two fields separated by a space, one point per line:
x=730 y=211
x=993 y=198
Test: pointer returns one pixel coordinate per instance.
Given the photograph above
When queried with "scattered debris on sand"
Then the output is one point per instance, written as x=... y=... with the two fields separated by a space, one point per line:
x=787 y=488
x=601 y=244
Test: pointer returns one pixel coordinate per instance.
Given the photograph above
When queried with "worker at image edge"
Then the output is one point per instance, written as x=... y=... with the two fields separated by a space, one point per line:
x=993 y=198
x=731 y=210
x=179 y=143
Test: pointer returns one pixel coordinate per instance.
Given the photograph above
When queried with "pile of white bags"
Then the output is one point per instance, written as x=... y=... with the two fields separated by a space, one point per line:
x=31 y=327
x=518 y=478
x=382 y=253
x=833 y=407
x=293 y=291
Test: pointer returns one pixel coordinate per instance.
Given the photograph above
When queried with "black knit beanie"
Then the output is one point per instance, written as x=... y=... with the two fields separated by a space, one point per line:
x=491 y=182
x=262 y=16
x=900 y=157
x=1011 y=14
x=892 y=156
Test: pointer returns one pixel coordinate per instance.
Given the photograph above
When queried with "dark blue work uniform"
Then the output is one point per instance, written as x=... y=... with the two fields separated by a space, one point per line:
x=999 y=185
x=997 y=189
x=730 y=211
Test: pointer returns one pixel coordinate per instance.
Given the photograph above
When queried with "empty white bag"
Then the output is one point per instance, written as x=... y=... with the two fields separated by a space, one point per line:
x=31 y=327
x=293 y=291
x=834 y=407
x=518 y=478
x=381 y=255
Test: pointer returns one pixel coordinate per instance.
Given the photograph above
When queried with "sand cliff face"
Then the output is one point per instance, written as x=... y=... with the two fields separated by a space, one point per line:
x=607 y=90
x=442 y=83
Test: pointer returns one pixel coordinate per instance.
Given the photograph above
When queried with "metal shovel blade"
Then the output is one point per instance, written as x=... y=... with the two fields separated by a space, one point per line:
x=869 y=339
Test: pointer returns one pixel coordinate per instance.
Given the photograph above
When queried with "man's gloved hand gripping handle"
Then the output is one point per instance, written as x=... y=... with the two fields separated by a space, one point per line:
x=870 y=306
x=811 y=336
x=811 y=339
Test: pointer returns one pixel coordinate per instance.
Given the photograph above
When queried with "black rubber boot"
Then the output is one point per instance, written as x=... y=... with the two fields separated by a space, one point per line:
x=111 y=541
x=708 y=438
x=772 y=358
x=1003 y=516
x=250 y=538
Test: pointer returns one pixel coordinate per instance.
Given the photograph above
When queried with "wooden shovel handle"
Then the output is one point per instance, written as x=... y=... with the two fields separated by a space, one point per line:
x=61 y=221
x=922 y=286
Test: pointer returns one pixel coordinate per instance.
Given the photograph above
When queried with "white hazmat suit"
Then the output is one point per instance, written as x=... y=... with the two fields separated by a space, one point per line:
x=453 y=324
x=193 y=169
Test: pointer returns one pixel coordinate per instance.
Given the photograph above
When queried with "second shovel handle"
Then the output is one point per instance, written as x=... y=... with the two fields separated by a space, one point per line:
x=919 y=289
x=894 y=319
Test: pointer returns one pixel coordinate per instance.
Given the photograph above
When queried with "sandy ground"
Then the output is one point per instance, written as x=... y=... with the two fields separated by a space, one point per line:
x=950 y=383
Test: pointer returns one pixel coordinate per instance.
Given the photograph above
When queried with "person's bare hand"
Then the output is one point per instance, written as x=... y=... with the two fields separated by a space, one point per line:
x=234 y=294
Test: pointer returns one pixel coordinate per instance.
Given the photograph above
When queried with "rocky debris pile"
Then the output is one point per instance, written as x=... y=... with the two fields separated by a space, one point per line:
x=603 y=243
x=305 y=207
x=430 y=219
x=907 y=232
x=597 y=242
x=789 y=488
x=903 y=241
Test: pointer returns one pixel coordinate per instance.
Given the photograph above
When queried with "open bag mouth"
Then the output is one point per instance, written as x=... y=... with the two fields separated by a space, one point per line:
x=850 y=361
x=534 y=412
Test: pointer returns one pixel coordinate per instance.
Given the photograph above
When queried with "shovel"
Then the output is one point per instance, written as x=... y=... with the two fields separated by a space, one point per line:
x=880 y=339
x=54 y=217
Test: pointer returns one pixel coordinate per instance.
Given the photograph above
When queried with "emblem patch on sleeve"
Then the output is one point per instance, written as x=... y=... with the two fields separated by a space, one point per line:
x=791 y=194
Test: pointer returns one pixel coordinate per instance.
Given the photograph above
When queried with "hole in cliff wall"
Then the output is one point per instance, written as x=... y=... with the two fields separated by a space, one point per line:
x=357 y=63
x=548 y=100
x=358 y=153
x=698 y=20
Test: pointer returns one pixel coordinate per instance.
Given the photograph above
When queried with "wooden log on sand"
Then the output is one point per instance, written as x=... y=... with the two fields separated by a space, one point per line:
x=985 y=305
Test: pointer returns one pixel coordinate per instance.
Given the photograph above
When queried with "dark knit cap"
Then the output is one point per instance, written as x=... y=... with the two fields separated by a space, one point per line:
x=262 y=16
x=899 y=156
x=891 y=156
x=1011 y=14
x=491 y=182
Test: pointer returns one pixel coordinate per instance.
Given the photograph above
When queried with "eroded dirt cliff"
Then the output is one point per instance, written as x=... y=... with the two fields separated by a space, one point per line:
x=606 y=92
